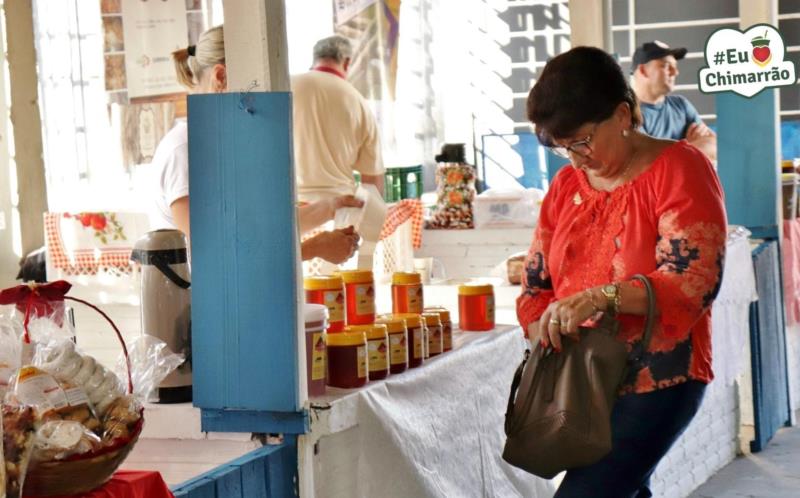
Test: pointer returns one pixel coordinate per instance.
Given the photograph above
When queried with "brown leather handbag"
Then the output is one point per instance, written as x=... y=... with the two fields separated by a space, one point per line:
x=559 y=410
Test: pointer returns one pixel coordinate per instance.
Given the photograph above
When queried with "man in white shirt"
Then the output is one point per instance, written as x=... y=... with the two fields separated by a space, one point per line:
x=335 y=132
x=201 y=68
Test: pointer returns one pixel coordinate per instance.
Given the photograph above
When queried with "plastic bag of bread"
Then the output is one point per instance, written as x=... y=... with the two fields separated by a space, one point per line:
x=19 y=430
x=3 y=466
x=64 y=362
x=54 y=400
x=59 y=439
x=120 y=420
x=10 y=351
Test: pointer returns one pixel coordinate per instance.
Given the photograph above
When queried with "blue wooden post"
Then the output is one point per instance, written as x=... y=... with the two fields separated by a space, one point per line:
x=748 y=156
x=554 y=163
x=748 y=143
x=244 y=262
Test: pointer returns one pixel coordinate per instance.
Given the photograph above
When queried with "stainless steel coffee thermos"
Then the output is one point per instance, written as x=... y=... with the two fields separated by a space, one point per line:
x=166 y=304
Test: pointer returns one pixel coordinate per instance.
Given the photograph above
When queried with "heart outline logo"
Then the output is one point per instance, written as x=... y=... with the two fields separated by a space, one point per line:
x=745 y=62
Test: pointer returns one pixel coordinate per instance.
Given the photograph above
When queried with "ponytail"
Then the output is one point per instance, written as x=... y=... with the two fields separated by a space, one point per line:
x=182 y=70
x=190 y=62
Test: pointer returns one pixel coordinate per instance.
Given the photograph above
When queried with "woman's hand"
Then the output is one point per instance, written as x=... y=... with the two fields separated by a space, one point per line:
x=563 y=317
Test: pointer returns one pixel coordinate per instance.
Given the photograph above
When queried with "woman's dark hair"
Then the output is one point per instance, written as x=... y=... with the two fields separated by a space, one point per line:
x=580 y=86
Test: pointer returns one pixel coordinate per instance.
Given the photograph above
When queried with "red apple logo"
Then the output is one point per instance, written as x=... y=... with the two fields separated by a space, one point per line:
x=761 y=52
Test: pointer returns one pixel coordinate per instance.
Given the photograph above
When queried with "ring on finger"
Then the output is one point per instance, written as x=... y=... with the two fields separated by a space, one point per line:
x=555 y=321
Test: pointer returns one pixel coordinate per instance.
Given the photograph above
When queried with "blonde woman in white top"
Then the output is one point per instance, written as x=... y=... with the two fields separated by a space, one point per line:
x=201 y=69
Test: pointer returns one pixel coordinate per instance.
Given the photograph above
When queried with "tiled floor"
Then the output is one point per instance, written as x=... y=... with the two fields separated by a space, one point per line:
x=180 y=460
x=772 y=473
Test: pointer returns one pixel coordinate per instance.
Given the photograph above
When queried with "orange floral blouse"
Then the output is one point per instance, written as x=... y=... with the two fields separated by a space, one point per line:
x=667 y=223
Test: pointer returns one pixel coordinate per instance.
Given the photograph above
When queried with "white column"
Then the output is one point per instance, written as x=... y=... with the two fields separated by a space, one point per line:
x=758 y=11
x=27 y=126
x=590 y=23
x=256 y=52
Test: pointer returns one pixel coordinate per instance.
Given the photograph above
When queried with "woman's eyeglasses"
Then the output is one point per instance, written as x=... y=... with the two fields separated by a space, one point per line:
x=581 y=148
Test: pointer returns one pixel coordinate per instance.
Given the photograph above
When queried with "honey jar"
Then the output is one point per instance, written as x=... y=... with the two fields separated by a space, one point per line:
x=347 y=359
x=398 y=340
x=407 y=293
x=435 y=336
x=476 y=307
x=329 y=291
x=377 y=349
x=447 y=327
x=359 y=291
x=316 y=368
x=416 y=337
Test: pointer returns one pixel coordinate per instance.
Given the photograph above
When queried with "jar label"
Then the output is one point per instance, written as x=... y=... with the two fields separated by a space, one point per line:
x=397 y=343
x=365 y=299
x=317 y=357
x=361 y=359
x=418 y=344
x=378 y=355
x=414 y=298
x=448 y=337
x=435 y=339
x=490 y=309
x=334 y=300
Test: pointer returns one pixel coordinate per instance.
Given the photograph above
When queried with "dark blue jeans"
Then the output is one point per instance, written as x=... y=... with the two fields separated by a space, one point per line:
x=643 y=428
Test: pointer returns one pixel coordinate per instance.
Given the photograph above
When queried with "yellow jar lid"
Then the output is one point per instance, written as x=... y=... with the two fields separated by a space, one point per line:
x=372 y=331
x=347 y=339
x=357 y=276
x=475 y=289
x=432 y=319
x=401 y=278
x=412 y=320
x=444 y=314
x=324 y=282
x=393 y=323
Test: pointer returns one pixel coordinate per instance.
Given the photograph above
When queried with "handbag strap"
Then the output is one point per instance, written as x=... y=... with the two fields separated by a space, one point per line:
x=514 y=387
x=651 y=311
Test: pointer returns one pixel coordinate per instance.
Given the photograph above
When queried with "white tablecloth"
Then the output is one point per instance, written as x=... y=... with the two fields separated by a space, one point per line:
x=730 y=313
x=434 y=431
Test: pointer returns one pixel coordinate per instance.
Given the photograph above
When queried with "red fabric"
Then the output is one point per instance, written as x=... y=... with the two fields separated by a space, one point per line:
x=38 y=300
x=399 y=213
x=86 y=261
x=129 y=484
x=791 y=269
x=668 y=223
x=326 y=69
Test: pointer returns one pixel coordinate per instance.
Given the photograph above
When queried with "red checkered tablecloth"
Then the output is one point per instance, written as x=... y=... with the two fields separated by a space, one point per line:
x=83 y=260
x=399 y=213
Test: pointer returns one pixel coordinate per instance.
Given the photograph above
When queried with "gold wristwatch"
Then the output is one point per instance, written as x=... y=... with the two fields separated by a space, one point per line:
x=611 y=293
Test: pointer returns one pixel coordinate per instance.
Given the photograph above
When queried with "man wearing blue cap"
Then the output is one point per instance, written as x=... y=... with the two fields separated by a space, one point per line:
x=654 y=68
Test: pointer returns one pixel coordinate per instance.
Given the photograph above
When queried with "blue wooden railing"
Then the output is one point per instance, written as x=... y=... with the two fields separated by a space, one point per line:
x=268 y=472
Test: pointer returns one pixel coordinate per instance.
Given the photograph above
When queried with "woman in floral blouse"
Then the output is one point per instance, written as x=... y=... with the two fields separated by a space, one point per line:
x=628 y=204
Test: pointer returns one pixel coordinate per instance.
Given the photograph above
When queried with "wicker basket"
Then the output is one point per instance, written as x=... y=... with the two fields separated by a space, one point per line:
x=83 y=473
x=79 y=475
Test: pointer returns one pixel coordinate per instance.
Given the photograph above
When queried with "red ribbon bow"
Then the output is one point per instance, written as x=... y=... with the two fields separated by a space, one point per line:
x=47 y=300
x=39 y=300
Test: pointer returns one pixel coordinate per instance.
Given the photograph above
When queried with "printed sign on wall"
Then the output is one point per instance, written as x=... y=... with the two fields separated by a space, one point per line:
x=152 y=31
x=746 y=62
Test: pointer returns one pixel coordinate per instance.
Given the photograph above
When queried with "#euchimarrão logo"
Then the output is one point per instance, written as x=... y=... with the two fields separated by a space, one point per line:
x=746 y=62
